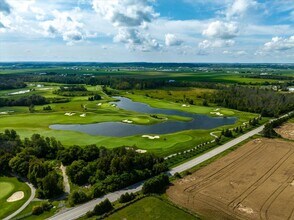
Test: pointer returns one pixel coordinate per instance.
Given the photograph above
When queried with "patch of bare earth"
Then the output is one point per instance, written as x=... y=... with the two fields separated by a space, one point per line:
x=286 y=131
x=253 y=182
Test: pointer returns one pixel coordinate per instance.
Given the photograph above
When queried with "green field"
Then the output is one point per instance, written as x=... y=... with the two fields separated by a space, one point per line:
x=151 y=208
x=26 y=214
x=220 y=75
x=9 y=185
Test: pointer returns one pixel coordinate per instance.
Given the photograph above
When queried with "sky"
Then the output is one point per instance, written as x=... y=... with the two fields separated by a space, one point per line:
x=225 y=31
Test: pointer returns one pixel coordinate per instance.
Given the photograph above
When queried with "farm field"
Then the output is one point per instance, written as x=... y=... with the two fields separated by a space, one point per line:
x=150 y=208
x=253 y=182
x=9 y=186
x=286 y=130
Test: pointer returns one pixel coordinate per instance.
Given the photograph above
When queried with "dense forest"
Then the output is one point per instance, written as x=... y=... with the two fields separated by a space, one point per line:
x=38 y=158
x=264 y=102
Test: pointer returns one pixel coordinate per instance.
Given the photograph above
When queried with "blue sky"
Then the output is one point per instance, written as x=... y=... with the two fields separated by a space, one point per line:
x=147 y=30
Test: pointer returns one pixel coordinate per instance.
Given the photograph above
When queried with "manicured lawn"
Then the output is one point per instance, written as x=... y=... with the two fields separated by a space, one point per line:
x=26 y=214
x=9 y=185
x=151 y=208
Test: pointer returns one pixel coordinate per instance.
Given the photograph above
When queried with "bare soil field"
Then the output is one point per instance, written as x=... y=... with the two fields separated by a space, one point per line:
x=286 y=131
x=256 y=181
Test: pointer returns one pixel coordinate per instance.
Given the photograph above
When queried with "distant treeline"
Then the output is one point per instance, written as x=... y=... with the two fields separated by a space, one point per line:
x=106 y=170
x=30 y=100
x=264 y=102
x=11 y=83
x=24 y=101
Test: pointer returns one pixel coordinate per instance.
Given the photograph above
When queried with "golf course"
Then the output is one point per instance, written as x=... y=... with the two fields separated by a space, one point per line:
x=13 y=194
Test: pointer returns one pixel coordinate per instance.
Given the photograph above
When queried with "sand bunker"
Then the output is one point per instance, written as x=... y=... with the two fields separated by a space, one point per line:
x=184 y=105
x=151 y=137
x=127 y=121
x=83 y=115
x=216 y=113
x=141 y=151
x=19 y=92
x=69 y=114
x=99 y=104
x=16 y=196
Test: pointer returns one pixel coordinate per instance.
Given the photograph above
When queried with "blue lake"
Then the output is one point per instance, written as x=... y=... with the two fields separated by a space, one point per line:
x=120 y=129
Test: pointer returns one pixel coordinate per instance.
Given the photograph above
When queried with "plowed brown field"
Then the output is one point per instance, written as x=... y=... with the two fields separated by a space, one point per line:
x=286 y=131
x=256 y=181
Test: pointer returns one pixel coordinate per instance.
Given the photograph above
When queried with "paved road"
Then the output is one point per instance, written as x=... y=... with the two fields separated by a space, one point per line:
x=78 y=211
x=33 y=192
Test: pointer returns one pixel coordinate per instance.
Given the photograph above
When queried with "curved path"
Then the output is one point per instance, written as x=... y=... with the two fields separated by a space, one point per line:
x=33 y=193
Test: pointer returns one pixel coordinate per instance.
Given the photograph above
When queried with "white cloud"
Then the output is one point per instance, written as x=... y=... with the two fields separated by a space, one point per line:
x=221 y=30
x=65 y=25
x=240 y=7
x=216 y=43
x=134 y=39
x=279 y=44
x=172 y=40
x=130 y=18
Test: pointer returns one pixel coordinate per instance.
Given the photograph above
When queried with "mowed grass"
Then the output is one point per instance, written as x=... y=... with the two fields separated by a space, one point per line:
x=26 y=214
x=151 y=208
x=9 y=185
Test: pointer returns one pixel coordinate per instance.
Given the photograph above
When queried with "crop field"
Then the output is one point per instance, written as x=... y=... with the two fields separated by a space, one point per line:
x=254 y=182
x=286 y=130
x=151 y=208
x=8 y=186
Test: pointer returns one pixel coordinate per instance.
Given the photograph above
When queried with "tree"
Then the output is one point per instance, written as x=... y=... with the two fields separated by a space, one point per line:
x=127 y=197
x=103 y=207
x=51 y=185
x=77 y=197
x=156 y=184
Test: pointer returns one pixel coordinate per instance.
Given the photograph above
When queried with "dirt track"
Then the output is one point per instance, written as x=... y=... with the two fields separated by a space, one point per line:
x=286 y=131
x=254 y=182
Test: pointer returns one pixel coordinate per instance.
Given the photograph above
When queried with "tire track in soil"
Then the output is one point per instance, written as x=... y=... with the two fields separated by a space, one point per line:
x=271 y=199
x=234 y=203
x=222 y=172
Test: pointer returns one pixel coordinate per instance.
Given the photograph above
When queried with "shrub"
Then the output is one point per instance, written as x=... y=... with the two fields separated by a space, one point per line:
x=127 y=197
x=177 y=175
x=103 y=207
x=156 y=184
x=37 y=210
x=77 y=197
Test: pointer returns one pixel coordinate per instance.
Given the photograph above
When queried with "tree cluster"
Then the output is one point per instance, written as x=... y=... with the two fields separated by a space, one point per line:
x=265 y=102
x=156 y=184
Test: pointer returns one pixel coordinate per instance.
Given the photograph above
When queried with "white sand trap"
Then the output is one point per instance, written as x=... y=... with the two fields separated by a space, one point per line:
x=83 y=115
x=141 y=151
x=69 y=114
x=19 y=92
x=151 y=137
x=99 y=104
x=216 y=113
x=127 y=121
x=16 y=196
x=184 y=105
x=3 y=113
x=113 y=105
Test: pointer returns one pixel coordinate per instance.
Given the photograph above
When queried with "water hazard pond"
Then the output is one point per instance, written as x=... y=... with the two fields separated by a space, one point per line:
x=120 y=129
